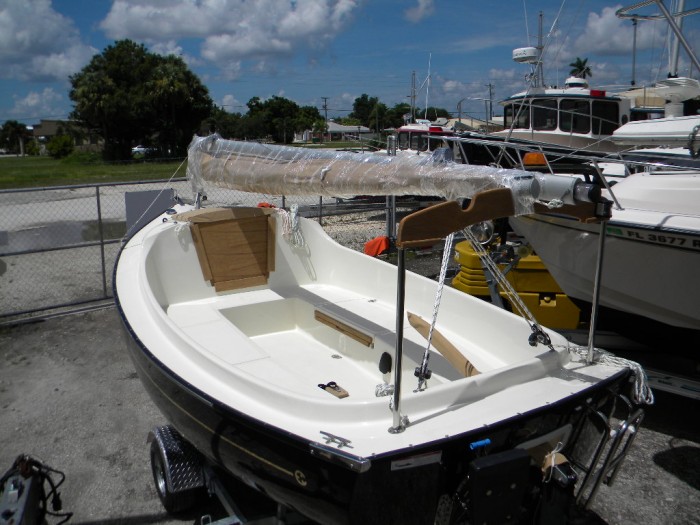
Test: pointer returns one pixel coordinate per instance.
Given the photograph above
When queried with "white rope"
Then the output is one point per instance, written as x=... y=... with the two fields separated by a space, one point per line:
x=446 y=255
x=642 y=391
x=553 y=458
x=290 y=226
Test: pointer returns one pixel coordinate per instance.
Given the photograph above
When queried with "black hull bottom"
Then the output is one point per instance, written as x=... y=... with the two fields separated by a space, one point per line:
x=283 y=467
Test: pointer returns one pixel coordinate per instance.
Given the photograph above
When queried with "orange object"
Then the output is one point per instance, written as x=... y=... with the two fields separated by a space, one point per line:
x=534 y=159
x=377 y=246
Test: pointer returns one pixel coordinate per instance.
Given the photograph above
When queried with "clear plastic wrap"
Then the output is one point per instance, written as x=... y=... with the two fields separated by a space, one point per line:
x=284 y=170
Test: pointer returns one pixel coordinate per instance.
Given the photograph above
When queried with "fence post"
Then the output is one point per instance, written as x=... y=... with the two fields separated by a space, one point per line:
x=100 y=228
x=391 y=216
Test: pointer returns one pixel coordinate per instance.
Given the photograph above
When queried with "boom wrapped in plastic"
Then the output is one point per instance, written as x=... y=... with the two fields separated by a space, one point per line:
x=284 y=170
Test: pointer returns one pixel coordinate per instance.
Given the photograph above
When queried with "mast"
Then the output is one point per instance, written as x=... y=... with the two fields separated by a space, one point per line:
x=634 y=51
x=673 y=57
x=679 y=35
x=671 y=19
x=539 y=76
x=427 y=87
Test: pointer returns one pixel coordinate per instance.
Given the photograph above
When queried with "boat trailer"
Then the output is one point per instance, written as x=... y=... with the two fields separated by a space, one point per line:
x=184 y=478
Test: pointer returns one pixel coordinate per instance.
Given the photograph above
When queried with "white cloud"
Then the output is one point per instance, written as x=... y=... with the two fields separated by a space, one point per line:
x=232 y=30
x=424 y=9
x=39 y=104
x=606 y=34
x=348 y=97
x=231 y=104
x=154 y=20
x=508 y=81
x=477 y=43
x=37 y=43
x=231 y=70
x=455 y=89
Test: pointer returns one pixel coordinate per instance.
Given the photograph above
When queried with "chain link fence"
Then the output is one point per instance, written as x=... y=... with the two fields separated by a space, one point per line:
x=58 y=245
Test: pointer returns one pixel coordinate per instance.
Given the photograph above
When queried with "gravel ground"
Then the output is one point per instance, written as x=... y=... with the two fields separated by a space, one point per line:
x=69 y=396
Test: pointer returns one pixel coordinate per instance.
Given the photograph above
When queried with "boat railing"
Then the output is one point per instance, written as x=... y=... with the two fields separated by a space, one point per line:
x=554 y=159
x=433 y=224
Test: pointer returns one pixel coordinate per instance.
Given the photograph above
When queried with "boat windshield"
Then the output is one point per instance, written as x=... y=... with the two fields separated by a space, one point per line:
x=516 y=116
x=544 y=114
x=571 y=115
x=606 y=117
x=575 y=116
x=420 y=140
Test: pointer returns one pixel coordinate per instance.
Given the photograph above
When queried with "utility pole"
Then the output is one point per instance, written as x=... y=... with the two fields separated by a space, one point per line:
x=325 y=109
x=413 y=97
x=489 y=117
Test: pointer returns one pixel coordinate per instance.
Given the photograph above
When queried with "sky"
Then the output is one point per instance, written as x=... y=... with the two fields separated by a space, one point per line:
x=326 y=53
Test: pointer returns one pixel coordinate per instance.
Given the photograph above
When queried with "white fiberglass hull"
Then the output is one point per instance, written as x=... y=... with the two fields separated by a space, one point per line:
x=576 y=142
x=238 y=373
x=651 y=253
x=669 y=131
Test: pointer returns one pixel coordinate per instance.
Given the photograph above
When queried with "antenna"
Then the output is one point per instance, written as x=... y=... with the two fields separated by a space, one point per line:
x=427 y=89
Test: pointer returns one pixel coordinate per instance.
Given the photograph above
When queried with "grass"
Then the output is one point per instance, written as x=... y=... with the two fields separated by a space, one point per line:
x=28 y=172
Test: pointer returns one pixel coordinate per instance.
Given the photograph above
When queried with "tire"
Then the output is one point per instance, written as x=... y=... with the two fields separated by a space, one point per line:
x=174 y=503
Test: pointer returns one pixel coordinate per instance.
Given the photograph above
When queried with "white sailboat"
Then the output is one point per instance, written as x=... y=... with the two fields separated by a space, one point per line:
x=288 y=360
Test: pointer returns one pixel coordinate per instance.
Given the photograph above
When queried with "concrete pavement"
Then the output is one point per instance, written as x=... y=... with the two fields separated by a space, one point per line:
x=69 y=396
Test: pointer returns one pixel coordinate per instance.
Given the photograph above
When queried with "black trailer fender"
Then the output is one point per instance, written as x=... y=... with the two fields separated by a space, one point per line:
x=177 y=469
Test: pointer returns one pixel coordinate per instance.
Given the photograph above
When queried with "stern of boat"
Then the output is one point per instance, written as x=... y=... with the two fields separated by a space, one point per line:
x=544 y=467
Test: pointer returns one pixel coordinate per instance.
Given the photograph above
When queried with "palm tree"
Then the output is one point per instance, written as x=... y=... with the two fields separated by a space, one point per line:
x=13 y=135
x=580 y=68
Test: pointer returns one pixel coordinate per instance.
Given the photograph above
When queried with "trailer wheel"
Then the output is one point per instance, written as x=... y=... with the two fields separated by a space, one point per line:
x=173 y=502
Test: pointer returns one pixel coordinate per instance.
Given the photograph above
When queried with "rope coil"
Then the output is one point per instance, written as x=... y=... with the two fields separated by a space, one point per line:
x=642 y=392
x=290 y=226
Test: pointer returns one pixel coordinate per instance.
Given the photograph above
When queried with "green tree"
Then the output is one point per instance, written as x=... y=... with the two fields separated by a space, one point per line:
x=362 y=109
x=225 y=124
x=309 y=118
x=377 y=117
x=277 y=118
x=60 y=146
x=281 y=118
x=320 y=128
x=434 y=113
x=395 y=117
x=179 y=103
x=14 y=136
x=348 y=121
x=254 y=125
x=580 y=68
x=129 y=95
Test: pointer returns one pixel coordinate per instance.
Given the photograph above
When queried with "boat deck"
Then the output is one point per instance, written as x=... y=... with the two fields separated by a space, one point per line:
x=301 y=337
